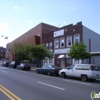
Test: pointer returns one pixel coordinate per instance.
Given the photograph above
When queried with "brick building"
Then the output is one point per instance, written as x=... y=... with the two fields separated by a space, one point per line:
x=33 y=36
x=59 y=40
x=64 y=37
x=2 y=52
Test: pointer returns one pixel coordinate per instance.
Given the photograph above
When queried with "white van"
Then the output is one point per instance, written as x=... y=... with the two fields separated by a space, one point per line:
x=83 y=71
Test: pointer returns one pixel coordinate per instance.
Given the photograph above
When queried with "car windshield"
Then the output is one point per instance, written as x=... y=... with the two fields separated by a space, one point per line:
x=53 y=66
x=70 y=67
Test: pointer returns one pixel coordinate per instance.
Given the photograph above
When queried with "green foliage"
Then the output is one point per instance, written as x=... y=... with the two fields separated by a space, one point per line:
x=19 y=51
x=29 y=51
x=78 y=51
x=40 y=52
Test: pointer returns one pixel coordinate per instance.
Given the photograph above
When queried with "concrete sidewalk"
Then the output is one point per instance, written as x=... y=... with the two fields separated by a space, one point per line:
x=33 y=68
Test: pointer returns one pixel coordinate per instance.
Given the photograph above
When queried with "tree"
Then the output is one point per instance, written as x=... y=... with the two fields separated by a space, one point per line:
x=19 y=51
x=29 y=51
x=78 y=51
x=40 y=52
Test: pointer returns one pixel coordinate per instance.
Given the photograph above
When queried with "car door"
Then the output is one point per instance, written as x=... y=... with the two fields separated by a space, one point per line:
x=43 y=69
x=69 y=70
x=47 y=69
x=78 y=70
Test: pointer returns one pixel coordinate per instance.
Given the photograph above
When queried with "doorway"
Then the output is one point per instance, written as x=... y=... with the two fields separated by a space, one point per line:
x=62 y=63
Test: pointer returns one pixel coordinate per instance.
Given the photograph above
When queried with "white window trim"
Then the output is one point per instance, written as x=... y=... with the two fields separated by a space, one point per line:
x=78 y=37
x=61 y=42
x=47 y=45
x=67 y=41
x=50 y=46
x=55 y=43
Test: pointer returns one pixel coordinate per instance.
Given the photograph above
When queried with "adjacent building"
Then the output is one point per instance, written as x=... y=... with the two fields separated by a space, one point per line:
x=33 y=36
x=65 y=37
x=2 y=52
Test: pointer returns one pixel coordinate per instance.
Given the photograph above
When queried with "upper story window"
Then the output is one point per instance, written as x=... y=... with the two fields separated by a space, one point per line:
x=76 y=38
x=47 y=45
x=62 y=42
x=50 y=45
x=56 y=43
x=73 y=30
x=65 y=30
x=69 y=41
x=1 y=51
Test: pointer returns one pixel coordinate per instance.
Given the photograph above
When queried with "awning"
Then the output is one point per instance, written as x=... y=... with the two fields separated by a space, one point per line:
x=61 y=56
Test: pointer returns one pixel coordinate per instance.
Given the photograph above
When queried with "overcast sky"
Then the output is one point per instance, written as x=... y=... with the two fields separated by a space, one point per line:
x=19 y=16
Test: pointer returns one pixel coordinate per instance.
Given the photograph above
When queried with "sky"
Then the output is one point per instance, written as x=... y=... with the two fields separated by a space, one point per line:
x=19 y=16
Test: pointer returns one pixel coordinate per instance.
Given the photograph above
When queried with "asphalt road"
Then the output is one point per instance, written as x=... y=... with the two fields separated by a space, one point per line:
x=28 y=85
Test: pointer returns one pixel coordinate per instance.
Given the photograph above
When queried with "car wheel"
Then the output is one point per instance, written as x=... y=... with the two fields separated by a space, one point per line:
x=84 y=78
x=63 y=75
x=49 y=73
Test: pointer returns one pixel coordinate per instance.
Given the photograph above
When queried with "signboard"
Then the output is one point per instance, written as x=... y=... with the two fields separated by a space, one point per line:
x=59 y=33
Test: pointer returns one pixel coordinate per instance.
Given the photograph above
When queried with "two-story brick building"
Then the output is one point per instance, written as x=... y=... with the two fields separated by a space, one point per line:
x=65 y=37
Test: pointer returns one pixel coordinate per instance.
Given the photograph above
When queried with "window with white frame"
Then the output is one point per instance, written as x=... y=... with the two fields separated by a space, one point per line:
x=76 y=38
x=50 y=45
x=56 y=43
x=69 y=41
x=62 y=42
x=47 y=45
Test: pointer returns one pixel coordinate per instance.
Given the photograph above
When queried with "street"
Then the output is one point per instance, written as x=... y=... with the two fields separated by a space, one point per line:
x=28 y=85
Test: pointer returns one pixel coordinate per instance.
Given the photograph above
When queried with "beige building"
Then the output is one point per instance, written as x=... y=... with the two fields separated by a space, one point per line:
x=33 y=36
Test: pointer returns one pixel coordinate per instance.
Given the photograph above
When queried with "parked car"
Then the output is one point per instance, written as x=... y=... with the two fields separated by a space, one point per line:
x=23 y=66
x=5 y=64
x=48 y=69
x=83 y=71
x=13 y=64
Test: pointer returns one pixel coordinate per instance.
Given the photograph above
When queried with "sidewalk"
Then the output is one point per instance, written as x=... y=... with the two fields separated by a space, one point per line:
x=33 y=68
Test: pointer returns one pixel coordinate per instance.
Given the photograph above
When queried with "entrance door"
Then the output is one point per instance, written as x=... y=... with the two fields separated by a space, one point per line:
x=62 y=64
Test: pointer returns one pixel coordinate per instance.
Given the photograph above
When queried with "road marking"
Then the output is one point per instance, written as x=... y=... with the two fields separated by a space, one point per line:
x=10 y=97
x=76 y=82
x=4 y=71
x=50 y=85
x=2 y=87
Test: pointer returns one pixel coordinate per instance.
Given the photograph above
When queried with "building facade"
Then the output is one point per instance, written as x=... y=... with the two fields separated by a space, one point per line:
x=33 y=36
x=64 y=37
x=2 y=52
x=59 y=40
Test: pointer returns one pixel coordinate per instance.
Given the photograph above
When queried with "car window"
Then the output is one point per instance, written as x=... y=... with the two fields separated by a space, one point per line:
x=95 y=68
x=70 y=67
x=49 y=66
x=44 y=66
x=86 y=67
x=79 y=67
x=12 y=62
x=21 y=64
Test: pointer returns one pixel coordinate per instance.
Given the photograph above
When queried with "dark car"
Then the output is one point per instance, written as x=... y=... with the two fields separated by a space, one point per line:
x=5 y=63
x=13 y=64
x=24 y=66
x=49 y=70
